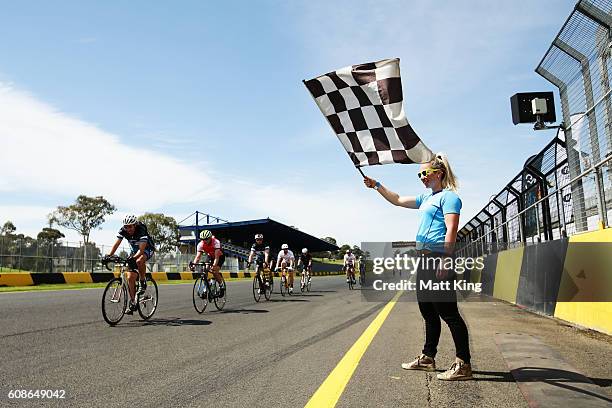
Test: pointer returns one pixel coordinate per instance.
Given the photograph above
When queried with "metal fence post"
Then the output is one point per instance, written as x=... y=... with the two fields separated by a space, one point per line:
x=601 y=205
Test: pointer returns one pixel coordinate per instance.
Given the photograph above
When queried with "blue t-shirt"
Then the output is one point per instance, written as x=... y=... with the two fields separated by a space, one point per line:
x=433 y=207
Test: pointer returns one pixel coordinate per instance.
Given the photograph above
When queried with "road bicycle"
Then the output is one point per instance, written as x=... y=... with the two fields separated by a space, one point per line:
x=116 y=294
x=306 y=281
x=206 y=290
x=266 y=277
x=351 y=276
x=284 y=282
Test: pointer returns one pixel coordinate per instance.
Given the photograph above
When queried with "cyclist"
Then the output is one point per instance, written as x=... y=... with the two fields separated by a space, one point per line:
x=212 y=247
x=286 y=262
x=262 y=254
x=349 y=265
x=305 y=260
x=143 y=248
x=361 y=270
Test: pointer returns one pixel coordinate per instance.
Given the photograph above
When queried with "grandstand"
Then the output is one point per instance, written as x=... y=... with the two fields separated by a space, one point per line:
x=237 y=237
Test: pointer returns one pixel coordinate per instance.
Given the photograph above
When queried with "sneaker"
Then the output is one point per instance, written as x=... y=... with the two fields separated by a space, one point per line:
x=221 y=292
x=422 y=362
x=347 y=280
x=458 y=371
x=142 y=288
x=290 y=290
x=131 y=309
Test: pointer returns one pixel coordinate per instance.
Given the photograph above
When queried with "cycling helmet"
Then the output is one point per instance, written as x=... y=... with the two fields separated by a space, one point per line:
x=129 y=220
x=284 y=246
x=205 y=234
x=304 y=250
x=348 y=251
x=258 y=236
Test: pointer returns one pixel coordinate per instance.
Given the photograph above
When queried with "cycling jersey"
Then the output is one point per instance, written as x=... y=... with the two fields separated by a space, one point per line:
x=305 y=259
x=141 y=235
x=258 y=250
x=349 y=259
x=287 y=257
x=211 y=247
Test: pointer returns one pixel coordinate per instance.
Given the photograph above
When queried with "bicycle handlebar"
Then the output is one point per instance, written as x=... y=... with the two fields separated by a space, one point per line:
x=114 y=259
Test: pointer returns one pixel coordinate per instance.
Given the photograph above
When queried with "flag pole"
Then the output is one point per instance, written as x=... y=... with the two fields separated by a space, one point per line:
x=360 y=171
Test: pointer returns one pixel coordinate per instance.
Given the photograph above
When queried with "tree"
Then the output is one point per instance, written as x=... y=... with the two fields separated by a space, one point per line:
x=330 y=240
x=85 y=215
x=164 y=231
x=343 y=250
x=325 y=254
x=8 y=228
x=49 y=236
x=357 y=251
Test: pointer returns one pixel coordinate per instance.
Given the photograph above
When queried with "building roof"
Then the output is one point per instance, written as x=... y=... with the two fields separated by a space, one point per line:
x=275 y=234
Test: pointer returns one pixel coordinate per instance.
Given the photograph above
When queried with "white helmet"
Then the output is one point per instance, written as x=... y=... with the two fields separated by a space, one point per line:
x=129 y=220
x=284 y=246
x=304 y=250
x=205 y=234
x=258 y=236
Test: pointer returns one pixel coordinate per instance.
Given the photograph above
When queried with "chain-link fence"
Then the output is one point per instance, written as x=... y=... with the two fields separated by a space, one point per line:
x=567 y=187
x=25 y=254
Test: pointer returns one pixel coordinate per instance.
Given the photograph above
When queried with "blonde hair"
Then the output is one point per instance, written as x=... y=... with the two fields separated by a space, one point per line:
x=449 y=180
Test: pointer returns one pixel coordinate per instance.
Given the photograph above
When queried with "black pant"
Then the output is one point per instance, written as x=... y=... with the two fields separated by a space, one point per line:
x=448 y=311
x=440 y=303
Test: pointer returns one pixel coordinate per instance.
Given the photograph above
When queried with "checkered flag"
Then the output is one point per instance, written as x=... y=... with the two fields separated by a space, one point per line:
x=363 y=105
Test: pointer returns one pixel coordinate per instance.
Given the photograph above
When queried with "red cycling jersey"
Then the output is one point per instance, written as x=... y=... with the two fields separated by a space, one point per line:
x=210 y=248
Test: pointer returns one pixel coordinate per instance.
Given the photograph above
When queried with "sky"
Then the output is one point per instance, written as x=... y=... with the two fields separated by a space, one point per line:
x=174 y=107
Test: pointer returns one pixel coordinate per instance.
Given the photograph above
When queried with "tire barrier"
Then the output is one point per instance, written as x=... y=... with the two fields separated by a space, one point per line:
x=30 y=279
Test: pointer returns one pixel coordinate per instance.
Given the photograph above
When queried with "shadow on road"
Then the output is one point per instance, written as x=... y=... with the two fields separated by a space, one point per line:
x=288 y=300
x=323 y=291
x=558 y=378
x=245 y=311
x=172 y=321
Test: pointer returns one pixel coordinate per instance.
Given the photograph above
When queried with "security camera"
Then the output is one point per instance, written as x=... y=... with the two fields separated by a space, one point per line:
x=538 y=106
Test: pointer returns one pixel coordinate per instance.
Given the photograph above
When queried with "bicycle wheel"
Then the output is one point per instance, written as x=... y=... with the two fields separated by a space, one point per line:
x=256 y=293
x=219 y=300
x=303 y=283
x=147 y=303
x=350 y=283
x=114 y=301
x=283 y=289
x=269 y=287
x=200 y=295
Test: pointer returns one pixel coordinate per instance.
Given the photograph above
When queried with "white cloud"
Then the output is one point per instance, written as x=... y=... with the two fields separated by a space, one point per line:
x=49 y=152
x=349 y=213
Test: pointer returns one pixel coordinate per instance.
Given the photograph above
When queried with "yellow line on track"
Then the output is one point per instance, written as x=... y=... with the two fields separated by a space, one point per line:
x=330 y=391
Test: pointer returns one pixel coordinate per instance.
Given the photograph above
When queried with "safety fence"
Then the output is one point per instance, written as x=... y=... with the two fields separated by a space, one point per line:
x=566 y=188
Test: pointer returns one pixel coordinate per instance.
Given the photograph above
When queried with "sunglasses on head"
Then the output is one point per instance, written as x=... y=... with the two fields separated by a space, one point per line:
x=426 y=172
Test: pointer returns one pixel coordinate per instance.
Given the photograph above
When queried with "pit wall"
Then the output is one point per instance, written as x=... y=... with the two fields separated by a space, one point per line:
x=536 y=276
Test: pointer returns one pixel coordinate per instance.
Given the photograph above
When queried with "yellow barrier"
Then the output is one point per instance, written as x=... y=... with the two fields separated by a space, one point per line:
x=77 y=277
x=594 y=315
x=507 y=274
x=16 y=279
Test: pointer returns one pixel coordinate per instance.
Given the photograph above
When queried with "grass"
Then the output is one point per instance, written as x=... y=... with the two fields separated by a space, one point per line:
x=10 y=270
x=329 y=261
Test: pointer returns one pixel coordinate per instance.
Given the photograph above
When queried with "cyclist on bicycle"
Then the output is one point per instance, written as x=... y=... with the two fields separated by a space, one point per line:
x=286 y=262
x=143 y=248
x=305 y=260
x=349 y=265
x=212 y=247
x=361 y=270
x=261 y=253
